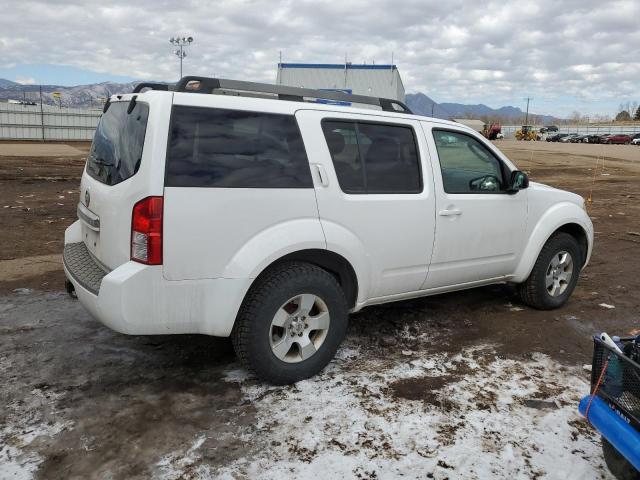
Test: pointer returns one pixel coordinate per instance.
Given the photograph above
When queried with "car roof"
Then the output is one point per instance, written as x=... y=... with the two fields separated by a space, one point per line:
x=280 y=106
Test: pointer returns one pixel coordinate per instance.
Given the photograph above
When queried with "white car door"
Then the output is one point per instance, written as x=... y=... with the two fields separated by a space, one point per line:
x=480 y=227
x=375 y=195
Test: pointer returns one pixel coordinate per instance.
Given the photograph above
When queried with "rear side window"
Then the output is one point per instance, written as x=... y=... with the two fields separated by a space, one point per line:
x=235 y=149
x=116 y=151
x=373 y=158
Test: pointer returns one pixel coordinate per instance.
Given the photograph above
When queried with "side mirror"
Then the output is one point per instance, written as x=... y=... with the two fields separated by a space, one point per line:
x=519 y=181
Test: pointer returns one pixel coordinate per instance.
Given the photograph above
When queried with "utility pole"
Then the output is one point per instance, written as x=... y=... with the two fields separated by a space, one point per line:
x=526 y=118
x=181 y=43
x=41 y=114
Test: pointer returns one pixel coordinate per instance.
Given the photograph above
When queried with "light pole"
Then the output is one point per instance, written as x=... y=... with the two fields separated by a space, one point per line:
x=181 y=42
x=526 y=118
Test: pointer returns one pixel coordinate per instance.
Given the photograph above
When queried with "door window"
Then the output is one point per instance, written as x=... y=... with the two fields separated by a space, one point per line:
x=373 y=157
x=467 y=166
x=210 y=147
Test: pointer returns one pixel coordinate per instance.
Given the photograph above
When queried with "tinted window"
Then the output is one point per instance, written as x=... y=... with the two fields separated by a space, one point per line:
x=467 y=166
x=231 y=148
x=343 y=145
x=116 y=150
x=373 y=158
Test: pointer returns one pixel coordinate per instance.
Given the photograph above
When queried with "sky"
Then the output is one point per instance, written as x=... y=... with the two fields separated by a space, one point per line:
x=569 y=55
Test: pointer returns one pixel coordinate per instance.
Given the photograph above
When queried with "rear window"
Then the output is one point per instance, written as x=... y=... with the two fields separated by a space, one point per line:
x=211 y=147
x=116 y=151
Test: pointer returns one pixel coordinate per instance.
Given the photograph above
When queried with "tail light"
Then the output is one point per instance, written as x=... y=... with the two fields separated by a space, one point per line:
x=146 y=231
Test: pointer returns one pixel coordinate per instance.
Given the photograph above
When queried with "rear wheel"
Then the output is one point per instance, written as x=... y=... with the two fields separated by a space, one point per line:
x=291 y=323
x=618 y=465
x=554 y=275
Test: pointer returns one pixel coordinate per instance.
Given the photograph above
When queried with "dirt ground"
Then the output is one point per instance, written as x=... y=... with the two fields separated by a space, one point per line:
x=84 y=402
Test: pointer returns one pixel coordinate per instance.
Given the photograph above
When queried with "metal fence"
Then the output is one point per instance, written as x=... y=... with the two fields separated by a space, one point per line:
x=29 y=122
x=591 y=129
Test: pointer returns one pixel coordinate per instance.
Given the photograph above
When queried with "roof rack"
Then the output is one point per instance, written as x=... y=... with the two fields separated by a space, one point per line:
x=194 y=84
x=151 y=85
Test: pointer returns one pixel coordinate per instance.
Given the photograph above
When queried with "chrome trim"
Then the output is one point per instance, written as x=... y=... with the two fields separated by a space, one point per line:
x=88 y=217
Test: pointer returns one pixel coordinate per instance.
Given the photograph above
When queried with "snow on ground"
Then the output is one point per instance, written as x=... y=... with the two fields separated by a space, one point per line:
x=35 y=422
x=474 y=415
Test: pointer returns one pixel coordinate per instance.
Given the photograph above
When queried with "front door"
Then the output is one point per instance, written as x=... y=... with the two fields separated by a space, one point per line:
x=480 y=227
x=375 y=195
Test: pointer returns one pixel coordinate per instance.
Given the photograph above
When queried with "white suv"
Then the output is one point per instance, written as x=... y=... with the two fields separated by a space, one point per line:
x=246 y=210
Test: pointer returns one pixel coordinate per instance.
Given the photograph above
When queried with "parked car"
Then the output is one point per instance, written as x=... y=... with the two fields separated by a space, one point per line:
x=635 y=141
x=617 y=138
x=568 y=138
x=270 y=221
x=585 y=139
x=549 y=128
x=556 y=137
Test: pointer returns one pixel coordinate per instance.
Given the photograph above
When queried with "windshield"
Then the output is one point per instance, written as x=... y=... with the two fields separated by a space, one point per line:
x=116 y=150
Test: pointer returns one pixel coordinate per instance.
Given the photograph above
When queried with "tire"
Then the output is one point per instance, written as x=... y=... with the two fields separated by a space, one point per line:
x=535 y=290
x=618 y=465
x=279 y=294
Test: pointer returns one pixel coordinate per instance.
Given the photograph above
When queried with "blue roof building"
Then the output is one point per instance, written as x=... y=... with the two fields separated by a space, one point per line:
x=374 y=80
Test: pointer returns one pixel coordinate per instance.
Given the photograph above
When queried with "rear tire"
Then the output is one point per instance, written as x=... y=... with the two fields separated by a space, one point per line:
x=554 y=275
x=618 y=465
x=274 y=335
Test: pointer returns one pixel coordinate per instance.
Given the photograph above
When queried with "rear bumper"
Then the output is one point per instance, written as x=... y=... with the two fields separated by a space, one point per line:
x=136 y=299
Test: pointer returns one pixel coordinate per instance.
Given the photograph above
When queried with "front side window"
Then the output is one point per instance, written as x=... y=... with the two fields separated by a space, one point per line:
x=467 y=166
x=211 y=147
x=372 y=157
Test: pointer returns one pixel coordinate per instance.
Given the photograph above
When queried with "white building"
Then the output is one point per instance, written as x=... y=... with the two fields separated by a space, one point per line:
x=372 y=80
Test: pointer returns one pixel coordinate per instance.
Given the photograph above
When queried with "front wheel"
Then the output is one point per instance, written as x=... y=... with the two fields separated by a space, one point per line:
x=554 y=275
x=291 y=323
x=618 y=465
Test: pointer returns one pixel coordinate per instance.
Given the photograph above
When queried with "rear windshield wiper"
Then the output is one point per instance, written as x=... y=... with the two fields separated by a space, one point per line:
x=101 y=161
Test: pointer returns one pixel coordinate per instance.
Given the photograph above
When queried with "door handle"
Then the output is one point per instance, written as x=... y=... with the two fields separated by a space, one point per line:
x=450 y=212
x=322 y=174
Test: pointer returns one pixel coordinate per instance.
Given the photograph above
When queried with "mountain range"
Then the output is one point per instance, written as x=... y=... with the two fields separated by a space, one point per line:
x=76 y=96
x=423 y=105
x=92 y=96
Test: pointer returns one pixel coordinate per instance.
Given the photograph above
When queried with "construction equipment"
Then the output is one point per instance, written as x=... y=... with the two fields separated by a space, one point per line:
x=527 y=132
x=492 y=131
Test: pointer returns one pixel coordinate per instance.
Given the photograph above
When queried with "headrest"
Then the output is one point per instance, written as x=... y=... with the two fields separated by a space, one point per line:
x=335 y=142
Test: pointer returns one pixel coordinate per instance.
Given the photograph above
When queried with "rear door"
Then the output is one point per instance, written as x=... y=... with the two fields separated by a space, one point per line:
x=480 y=227
x=375 y=194
x=124 y=165
x=236 y=172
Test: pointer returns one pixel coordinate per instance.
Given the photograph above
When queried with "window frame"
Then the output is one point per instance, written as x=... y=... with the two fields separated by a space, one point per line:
x=355 y=122
x=504 y=169
x=261 y=112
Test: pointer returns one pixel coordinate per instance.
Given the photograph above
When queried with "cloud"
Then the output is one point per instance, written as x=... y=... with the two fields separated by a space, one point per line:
x=493 y=52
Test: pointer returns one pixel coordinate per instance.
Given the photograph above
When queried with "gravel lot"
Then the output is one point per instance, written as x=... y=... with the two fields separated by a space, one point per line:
x=465 y=385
